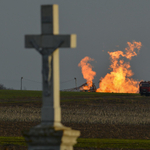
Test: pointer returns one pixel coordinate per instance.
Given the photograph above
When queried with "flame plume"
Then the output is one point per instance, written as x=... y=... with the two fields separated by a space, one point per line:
x=87 y=72
x=118 y=80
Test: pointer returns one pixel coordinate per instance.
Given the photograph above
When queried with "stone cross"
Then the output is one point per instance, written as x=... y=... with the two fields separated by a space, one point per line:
x=47 y=45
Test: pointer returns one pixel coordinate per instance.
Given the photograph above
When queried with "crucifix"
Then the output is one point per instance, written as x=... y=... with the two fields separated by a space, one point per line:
x=47 y=45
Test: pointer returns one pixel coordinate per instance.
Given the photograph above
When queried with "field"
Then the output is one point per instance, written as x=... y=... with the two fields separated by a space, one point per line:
x=114 y=121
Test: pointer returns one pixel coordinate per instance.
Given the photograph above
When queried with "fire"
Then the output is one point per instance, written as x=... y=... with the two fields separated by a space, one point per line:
x=87 y=72
x=118 y=80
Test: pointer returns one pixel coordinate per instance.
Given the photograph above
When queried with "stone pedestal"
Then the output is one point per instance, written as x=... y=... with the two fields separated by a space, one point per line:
x=48 y=137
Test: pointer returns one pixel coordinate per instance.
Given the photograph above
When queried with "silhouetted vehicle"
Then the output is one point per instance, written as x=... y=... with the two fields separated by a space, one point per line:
x=92 y=89
x=144 y=88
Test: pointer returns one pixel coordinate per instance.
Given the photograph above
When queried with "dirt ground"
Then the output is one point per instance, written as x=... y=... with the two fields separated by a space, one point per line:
x=87 y=130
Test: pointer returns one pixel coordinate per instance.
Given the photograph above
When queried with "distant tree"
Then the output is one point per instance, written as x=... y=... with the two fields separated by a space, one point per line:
x=2 y=87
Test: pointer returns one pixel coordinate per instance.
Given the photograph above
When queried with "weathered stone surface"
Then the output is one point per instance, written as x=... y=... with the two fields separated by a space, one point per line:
x=50 y=134
x=51 y=137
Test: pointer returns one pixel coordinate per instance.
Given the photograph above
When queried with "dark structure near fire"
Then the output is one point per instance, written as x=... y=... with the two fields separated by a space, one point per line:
x=144 y=88
x=82 y=89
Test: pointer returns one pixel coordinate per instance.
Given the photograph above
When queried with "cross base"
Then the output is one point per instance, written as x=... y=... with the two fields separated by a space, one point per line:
x=48 y=137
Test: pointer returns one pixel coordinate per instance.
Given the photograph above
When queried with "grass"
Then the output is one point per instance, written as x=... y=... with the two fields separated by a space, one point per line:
x=94 y=143
x=19 y=94
x=92 y=94
x=13 y=140
x=16 y=94
x=113 y=143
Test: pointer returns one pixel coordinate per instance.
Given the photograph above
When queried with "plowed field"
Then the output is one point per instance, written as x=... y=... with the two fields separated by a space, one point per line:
x=119 y=117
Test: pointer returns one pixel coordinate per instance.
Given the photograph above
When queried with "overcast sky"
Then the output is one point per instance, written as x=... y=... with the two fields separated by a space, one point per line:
x=100 y=26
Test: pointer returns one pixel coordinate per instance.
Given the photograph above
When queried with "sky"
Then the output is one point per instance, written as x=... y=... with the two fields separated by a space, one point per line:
x=100 y=25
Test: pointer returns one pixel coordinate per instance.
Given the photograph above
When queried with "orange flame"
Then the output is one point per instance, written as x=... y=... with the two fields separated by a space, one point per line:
x=118 y=80
x=87 y=72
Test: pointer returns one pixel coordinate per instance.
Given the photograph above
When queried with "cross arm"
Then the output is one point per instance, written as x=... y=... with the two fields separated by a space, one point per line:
x=50 y=41
x=31 y=39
